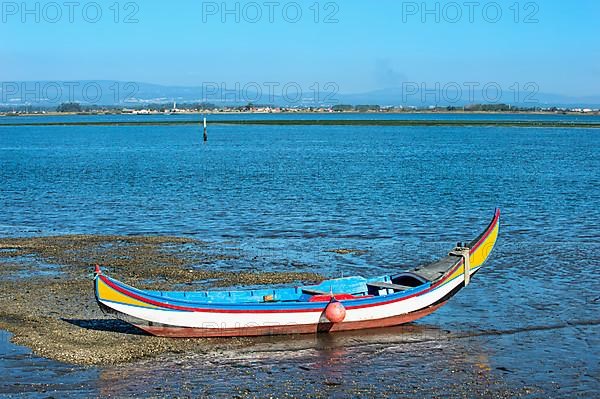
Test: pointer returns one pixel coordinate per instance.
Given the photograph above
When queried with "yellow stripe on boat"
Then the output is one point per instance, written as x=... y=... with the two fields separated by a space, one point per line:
x=108 y=293
x=485 y=249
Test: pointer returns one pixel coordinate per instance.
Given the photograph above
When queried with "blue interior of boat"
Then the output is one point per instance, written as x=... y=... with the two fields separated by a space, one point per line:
x=356 y=286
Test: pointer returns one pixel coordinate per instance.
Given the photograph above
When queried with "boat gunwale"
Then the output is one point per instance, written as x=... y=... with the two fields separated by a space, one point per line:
x=170 y=304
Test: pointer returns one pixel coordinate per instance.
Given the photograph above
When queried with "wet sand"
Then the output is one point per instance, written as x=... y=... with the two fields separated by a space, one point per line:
x=47 y=298
x=412 y=361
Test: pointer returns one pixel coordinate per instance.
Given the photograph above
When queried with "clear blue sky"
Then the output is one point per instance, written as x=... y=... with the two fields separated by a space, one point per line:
x=372 y=45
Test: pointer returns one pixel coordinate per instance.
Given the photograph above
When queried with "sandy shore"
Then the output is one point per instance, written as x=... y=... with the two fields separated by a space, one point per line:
x=47 y=299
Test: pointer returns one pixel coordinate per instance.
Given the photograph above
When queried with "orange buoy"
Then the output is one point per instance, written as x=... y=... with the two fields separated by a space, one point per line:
x=335 y=312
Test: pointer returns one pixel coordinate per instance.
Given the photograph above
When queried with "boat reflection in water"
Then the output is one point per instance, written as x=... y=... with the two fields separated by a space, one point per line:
x=405 y=360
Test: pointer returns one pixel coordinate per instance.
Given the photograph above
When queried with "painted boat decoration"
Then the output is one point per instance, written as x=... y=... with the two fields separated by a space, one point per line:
x=340 y=304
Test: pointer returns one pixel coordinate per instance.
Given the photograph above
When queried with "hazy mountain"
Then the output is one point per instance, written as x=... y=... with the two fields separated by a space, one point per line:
x=102 y=92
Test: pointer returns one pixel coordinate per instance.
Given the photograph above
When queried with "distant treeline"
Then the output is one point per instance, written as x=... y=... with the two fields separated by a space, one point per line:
x=356 y=108
x=73 y=107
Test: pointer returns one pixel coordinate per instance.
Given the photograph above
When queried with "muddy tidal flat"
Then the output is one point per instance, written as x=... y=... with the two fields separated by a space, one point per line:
x=47 y=299
x=47 y=305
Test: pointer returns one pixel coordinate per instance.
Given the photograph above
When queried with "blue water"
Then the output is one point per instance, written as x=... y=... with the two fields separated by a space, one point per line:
x=406 y=195
x=216 y=117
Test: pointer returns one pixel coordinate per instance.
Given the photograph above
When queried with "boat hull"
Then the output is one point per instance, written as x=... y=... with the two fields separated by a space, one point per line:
x=253 y=331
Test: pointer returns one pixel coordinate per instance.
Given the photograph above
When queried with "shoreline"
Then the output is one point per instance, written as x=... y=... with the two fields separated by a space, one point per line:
x=303 y=112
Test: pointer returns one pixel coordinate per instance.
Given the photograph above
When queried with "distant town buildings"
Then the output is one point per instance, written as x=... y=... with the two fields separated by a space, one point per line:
x=167 y=109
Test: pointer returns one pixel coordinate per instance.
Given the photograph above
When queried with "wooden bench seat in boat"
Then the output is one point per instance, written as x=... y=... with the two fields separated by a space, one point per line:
x=383 y=284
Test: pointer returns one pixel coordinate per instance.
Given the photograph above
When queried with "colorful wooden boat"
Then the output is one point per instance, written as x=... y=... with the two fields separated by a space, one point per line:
x=348 y=303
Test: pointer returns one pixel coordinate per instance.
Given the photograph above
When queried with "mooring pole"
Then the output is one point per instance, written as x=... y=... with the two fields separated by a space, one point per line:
x=205 y=131
x=465 y=253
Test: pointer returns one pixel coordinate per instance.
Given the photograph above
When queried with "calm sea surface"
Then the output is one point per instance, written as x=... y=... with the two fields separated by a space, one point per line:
x=286 y=194
x=318 y=116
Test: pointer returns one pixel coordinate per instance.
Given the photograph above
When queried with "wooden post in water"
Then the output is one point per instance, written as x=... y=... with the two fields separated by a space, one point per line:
x=205 y=132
